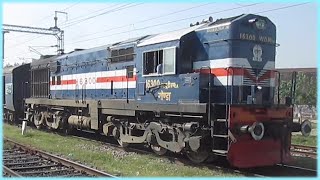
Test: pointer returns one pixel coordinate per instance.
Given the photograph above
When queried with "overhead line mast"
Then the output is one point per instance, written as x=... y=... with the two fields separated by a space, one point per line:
x=55 y=31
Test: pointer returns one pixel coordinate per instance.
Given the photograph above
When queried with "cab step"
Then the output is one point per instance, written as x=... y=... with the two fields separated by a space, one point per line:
x=220 y=151
x=221 y=120
x=220 y=136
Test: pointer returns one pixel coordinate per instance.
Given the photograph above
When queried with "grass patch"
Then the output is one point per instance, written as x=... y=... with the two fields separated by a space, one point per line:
x=307 y=141
x=97 y=155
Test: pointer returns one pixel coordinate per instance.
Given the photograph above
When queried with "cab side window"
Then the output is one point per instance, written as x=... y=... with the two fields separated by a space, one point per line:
x=159 y=62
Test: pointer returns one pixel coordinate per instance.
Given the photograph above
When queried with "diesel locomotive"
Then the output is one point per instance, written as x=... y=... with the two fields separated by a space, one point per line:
x=208 y=90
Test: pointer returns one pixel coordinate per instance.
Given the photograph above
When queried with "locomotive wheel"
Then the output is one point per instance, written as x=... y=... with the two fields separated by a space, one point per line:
x=198 y=157
x=116 y=135
x=158 y=150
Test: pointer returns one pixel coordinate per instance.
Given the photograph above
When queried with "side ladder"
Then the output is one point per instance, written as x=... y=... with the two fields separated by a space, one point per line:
x=220 y=127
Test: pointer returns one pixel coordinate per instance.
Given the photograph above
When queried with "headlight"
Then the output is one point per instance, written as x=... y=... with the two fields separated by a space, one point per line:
x=257 y=131
x=306 y=128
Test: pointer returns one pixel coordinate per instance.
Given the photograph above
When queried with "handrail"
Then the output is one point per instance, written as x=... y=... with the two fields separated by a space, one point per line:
x=232 y=78
x=209 y=93
x=227 y=88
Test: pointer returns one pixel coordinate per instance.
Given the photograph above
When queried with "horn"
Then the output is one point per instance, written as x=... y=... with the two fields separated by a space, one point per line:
x=210 y=19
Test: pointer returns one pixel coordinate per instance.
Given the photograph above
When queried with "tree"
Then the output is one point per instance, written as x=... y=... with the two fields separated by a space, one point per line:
x=306 y=89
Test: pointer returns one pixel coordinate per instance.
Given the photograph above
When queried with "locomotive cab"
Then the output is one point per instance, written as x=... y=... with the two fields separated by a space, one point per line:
x=248 y=126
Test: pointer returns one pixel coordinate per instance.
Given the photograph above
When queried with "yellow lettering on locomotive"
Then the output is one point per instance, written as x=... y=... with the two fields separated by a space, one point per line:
x=164 y=96
x=170 y=85
x=152 y=83
x=156 y=82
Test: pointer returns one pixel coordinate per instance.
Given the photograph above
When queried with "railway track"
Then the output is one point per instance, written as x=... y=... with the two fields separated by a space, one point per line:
x=169 y=156
x=23 y=161
x=304 y=151
x=272 y=171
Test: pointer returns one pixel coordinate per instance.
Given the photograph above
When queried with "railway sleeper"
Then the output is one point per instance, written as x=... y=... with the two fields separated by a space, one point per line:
x=49 y=172
x=15 y=156
x=33 y=167
x=22 y=163
x=23 y=160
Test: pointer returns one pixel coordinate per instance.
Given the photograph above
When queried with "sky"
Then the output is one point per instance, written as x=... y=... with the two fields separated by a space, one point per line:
x=88 y=25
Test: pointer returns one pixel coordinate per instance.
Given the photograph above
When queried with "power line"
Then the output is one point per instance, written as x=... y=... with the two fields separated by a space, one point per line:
x=46 y=17
x=28 y=40
x=113 y=10
x=270 y=10
x=92 y=12
x=52 y=14
x=107 y=12
x=285 y=7
x=138 y=22
x=151 y=26
x=170 y=22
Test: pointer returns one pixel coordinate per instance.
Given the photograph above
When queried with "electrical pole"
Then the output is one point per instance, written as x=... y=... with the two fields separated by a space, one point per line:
x=3 y=32
x=55 y=31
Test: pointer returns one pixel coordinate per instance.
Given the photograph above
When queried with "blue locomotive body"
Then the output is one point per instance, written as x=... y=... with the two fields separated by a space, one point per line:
x=101 y=73
x=203 y=90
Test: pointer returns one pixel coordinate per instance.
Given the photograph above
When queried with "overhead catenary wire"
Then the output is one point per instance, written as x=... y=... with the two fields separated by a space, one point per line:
x=170 y=22
x=41 y=20
x=145 y=20
x=46 y=17
x=149 y=19
x=91 y=12
x=107 y=12
x=114 y=10
x=160 y=24
x=280 y=8
x=67 y=8
x=270 y=10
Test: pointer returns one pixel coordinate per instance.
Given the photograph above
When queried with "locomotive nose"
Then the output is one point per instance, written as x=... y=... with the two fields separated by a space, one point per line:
x=257 y=131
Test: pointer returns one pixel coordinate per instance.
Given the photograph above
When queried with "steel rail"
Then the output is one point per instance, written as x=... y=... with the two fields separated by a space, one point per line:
x=63 y=161
x=178 y=160
x=304 y=147
x=10 y=172
x=308 y=151
x=297 y=167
